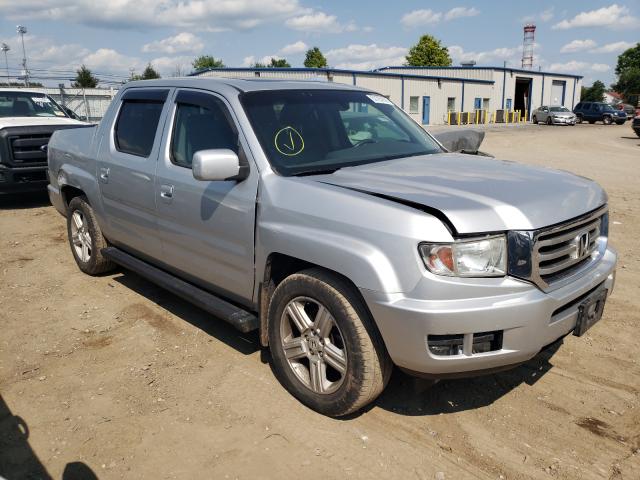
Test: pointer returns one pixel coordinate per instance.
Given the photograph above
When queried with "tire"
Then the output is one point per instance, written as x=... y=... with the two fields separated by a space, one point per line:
x=607 y=120
x=349 y=340
x=549 y=121
x=534 y=120
x=85 y=238
x=579 y=119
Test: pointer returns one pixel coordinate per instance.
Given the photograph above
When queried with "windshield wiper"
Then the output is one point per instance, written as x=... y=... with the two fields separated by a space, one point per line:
x=320 y=171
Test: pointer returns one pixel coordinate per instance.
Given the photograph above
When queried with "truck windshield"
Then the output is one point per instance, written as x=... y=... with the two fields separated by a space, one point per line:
x=317 y=131
x=28 y=104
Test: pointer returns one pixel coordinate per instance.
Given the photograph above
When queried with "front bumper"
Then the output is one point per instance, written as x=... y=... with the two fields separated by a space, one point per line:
x=22 y=179
x=528 y=318
x=564 y=120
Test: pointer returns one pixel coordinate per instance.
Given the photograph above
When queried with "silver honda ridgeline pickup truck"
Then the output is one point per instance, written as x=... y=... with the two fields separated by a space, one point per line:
x=324 y=217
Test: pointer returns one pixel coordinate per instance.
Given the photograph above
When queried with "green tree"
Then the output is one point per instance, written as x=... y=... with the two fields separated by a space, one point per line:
x=628 y=85
x=628 y=59
x=628 y=71
x=315 y=59
x=279 y=63
x=273 y=63
x=84 y=78
x=428 y=52
x=594 y=93
x=149 y=73
x=206 y=61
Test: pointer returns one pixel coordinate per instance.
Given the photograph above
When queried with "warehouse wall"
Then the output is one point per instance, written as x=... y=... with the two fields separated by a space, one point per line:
x=401 y=84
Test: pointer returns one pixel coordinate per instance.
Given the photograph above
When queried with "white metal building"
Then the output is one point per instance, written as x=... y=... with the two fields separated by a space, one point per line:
x=429 y=93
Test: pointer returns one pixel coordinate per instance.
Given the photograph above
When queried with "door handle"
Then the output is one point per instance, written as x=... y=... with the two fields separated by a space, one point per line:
x=104 y=175
x=166 y=192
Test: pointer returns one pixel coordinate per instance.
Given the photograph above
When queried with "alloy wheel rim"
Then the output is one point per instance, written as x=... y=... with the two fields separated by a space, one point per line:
x=313 y=345
x=80 y=236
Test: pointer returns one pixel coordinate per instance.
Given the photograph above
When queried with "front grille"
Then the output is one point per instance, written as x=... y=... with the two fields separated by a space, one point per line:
x=27 y=149
x=562 y=250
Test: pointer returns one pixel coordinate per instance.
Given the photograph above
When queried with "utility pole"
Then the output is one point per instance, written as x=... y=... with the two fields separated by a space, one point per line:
x=21 y=31
x=5 y=48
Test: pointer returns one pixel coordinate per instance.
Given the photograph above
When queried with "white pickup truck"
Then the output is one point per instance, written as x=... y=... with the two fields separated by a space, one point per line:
x=27 y=120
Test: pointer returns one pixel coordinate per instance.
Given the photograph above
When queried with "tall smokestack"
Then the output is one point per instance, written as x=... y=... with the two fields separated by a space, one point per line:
x=527 y=45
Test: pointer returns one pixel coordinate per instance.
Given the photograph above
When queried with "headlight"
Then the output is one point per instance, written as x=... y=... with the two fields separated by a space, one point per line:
x=486 y=257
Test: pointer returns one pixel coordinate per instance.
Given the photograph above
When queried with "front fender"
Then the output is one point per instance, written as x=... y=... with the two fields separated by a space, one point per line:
x=364 y=264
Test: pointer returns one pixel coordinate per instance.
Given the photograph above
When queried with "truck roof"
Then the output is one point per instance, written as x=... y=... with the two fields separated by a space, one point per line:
x=21 y=90
x=243 y=84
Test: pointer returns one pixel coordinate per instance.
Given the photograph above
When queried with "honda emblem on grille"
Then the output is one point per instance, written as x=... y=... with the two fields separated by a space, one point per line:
x=581 y=245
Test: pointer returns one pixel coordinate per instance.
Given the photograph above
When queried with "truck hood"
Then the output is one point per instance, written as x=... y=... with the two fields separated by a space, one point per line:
x=477 y=194
x=37 y=121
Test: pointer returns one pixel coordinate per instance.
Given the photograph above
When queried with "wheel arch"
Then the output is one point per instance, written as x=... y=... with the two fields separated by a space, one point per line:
x=279 y=266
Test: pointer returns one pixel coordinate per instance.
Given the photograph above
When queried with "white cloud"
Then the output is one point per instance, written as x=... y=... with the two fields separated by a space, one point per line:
x=109 y=60
x=422 y=17
x=365 y=57
x=575 y=66
x=319 y=22
x=543 y=16
x=170 y=66
x=546 y=15
x=294 y=48
x=613 y=47
x=501 y=54
x=613 y=16
x=184 y=42
x=578 y=46
x=135 y=14
x=460 y=12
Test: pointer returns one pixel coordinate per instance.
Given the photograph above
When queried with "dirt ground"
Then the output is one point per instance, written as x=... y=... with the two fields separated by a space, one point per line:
x=113 y=377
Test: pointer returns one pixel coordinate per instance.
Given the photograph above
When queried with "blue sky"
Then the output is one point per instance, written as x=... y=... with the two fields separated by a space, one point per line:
x=113 y=37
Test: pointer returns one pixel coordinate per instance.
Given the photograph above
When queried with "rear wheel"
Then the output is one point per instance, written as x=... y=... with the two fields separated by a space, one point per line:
x=326 y=350
x=85 y=238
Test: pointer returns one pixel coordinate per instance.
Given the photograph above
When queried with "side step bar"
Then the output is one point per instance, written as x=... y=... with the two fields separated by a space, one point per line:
x=241 y=319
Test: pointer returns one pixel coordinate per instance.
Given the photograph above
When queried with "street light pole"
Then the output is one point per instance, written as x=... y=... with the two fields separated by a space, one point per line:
x=21 y=31
x=5 y=48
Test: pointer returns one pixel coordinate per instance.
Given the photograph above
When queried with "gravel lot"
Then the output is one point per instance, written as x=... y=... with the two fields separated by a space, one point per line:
x=115 y=376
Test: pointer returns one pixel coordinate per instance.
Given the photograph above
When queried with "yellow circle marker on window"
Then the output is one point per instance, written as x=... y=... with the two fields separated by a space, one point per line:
x=288 y=141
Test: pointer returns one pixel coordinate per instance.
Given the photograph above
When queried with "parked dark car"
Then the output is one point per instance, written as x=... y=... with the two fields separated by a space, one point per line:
x=630 y=110
x=636 y=125
x=593 y=112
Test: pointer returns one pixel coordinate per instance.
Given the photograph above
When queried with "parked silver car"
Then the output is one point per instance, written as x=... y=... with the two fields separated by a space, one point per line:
x=324 y=217
x=554 y=115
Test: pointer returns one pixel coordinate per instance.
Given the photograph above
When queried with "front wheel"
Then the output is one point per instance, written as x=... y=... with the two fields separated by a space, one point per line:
x=549 y=121
x=326 y=350
x=607 y=120
x=85 y=238
x=534 y=120
x=579 y=119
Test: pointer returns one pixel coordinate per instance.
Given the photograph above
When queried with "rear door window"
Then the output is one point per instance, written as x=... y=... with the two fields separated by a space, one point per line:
x=137 y=122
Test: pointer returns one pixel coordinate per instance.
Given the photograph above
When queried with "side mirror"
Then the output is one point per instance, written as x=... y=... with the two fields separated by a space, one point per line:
x=218 y=165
